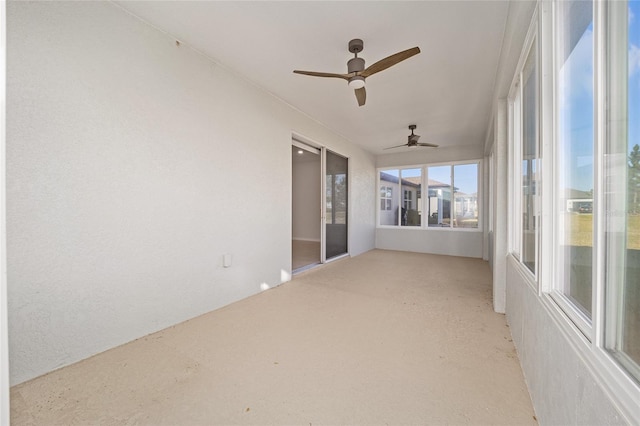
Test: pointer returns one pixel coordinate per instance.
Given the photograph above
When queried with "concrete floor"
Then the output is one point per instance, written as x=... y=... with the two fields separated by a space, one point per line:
x=383 y=338
x=304 y=253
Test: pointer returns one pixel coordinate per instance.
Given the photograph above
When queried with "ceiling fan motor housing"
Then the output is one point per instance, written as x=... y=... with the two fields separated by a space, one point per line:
x=412 y=140
x=356 y=45
x=355 y=65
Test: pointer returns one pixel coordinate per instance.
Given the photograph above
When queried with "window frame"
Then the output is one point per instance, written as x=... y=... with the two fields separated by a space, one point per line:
x=407 y=201
x=515 y=99
x=553 y=287
x=387 y=189
x=614 y=80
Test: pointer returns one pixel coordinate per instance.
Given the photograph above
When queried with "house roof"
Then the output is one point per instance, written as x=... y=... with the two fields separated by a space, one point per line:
x=412 y=181
x=571 y=194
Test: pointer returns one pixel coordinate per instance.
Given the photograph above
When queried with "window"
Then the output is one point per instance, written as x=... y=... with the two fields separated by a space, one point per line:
x=457 y=183
x=465 y=190
x=622 y=192
x=530 y=162
x=525 y=162
x=408 y=185
x=388 y=180
x=515 y=136
x=451 y=196
x=439 y=196
x=411 y=189
x=574 y=106
x=407 y=199
x=386 y=194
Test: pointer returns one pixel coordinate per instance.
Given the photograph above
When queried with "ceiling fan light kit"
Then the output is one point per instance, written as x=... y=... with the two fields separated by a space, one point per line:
x=356 y=82
x=356 y=71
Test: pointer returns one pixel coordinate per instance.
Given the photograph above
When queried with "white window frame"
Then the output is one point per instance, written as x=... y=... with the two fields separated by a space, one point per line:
x=390 y=189
x=608 y=17
x=515 y=111
x=407 y=200
x=553 y=286
x=514 y=186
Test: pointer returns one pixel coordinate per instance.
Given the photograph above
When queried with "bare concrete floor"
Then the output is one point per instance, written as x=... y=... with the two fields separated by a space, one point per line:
x=383 y=338
x=304 y=253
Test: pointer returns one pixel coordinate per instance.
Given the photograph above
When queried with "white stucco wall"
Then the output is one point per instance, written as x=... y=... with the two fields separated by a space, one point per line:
x=436 y=241
x=130 y=175
x=564 y=390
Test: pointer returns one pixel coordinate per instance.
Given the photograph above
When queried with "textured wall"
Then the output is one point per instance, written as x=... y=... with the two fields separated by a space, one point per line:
x=563 y=389
x=130 y=174
x=437 y=241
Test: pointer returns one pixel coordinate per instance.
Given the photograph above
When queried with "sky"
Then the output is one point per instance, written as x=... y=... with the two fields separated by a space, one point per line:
x=634 y=74
x=576 y=104
x=465 y=175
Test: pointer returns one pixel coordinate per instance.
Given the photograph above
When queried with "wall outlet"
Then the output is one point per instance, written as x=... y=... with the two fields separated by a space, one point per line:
x=226 y=260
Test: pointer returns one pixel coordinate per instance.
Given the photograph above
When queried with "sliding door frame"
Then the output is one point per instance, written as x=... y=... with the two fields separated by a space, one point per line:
x=298 y=140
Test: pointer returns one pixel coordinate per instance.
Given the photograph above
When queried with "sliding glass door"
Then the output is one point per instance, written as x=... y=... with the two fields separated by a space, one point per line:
x=336 y=205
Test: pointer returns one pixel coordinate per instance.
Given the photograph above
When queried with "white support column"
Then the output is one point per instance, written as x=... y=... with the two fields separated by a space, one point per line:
x=500 y=207
x=4 y=332
x=486 y=201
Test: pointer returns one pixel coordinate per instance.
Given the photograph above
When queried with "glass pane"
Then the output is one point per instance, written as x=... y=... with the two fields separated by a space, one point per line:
x=515 y=192
x=631 y=292
x=411 y=210
x=530 y=167
x=388 y=205
x=465 y=189
x=622 y=188
x=439 y=197
x=336 y=205
x=623 y=231
x=575 y=151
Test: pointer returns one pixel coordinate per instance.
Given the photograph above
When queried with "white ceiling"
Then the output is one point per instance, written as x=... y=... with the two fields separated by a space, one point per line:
x=446 y=90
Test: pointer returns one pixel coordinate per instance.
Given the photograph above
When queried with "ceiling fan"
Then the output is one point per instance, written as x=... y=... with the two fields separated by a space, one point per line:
x=412 y=140
x=357 y=73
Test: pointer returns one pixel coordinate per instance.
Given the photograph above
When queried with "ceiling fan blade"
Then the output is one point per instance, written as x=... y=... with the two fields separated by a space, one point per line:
x=361 y=95
x=389 y=61
x=397 y=146
x=323 y=74
x=433 y=145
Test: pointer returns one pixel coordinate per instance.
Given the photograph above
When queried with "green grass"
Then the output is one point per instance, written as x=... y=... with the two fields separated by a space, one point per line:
x=580 y=230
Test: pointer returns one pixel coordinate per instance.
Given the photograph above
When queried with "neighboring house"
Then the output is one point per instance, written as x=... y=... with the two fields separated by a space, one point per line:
x=439 y=200
x=410 y=191
x=409 y=200
x=578 y=201
x=466 y=209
